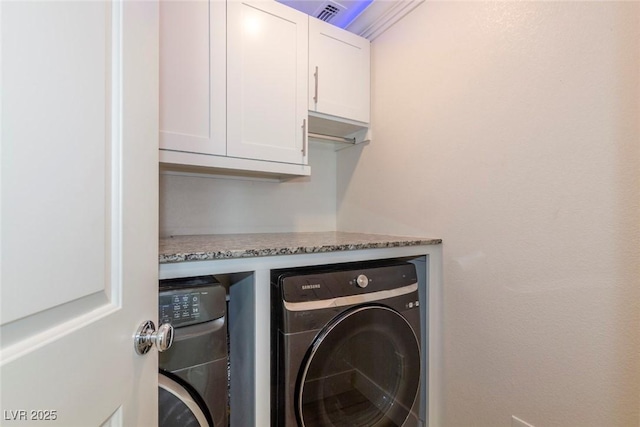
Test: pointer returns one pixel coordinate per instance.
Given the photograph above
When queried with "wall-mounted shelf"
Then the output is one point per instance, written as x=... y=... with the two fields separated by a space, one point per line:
x=336 y=129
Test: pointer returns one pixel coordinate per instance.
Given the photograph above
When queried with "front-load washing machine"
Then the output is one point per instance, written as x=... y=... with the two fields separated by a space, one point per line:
x=192 y=380
x=346 y=346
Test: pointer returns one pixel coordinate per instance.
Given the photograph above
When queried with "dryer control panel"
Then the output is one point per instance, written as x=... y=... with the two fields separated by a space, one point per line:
x=184 y=302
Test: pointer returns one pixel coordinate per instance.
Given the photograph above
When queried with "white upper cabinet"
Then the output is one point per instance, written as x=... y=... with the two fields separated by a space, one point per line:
x=266 y=82
x=233 y=86
x=193 y=76
x=339 y=72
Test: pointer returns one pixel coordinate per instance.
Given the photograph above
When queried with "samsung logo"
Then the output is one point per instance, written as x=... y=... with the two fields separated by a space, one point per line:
x=316 y=286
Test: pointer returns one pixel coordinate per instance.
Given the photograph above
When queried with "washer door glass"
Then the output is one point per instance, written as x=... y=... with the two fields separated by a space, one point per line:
x=176 y=407
x=362 y=370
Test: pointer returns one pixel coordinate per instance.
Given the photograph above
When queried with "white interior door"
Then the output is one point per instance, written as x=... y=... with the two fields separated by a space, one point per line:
x=79 y=126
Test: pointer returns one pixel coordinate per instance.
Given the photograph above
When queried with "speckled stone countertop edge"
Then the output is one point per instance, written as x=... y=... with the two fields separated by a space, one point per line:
x=356 y=241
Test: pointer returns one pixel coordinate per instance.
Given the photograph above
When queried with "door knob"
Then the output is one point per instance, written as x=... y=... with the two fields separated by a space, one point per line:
x=147 y=336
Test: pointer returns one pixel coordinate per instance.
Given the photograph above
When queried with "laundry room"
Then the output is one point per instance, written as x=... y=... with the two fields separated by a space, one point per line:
x=295 y=213
x=509 y=130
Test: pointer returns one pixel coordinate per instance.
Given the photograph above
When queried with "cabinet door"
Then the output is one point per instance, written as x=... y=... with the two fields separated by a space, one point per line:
x=339 y=75
x=193 y=76
x=267 y=62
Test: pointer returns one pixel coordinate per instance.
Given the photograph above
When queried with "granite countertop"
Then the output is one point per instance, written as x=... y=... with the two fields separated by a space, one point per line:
x=225 y=246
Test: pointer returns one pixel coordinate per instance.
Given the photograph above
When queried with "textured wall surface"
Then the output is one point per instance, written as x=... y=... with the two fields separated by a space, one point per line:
x=512 y=131
x=207 y=205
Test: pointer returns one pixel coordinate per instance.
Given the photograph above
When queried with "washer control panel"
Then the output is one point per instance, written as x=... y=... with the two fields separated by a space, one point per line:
x=330 y=282
x=362 y=281
x=187 y=303
x=181 y=308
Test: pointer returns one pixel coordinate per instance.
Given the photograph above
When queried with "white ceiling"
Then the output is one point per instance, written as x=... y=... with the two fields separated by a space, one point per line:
x=348 y=10
x=367 y=18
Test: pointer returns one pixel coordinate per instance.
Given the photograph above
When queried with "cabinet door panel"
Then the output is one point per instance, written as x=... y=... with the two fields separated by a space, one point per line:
x=267 y=84
x=192 y=76
x=342 y=60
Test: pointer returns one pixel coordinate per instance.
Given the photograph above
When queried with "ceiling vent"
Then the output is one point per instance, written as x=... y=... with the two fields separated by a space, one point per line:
x=328 y=11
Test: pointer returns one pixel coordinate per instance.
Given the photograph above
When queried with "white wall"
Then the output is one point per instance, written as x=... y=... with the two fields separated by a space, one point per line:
x=206 y=205
x=512 y=131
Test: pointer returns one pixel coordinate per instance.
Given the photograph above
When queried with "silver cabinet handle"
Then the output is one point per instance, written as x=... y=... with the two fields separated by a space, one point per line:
x=147 y=336
x=317 y=76
x=304 y=137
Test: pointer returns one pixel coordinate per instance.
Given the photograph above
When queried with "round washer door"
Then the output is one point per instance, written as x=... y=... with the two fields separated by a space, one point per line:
x=363 y=369
x=176 y=407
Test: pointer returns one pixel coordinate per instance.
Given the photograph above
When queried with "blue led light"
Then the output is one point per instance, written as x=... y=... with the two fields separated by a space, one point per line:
x=346 y=17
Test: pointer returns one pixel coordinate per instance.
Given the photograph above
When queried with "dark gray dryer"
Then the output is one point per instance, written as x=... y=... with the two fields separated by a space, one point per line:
x=346 y=347
x=192 y=381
